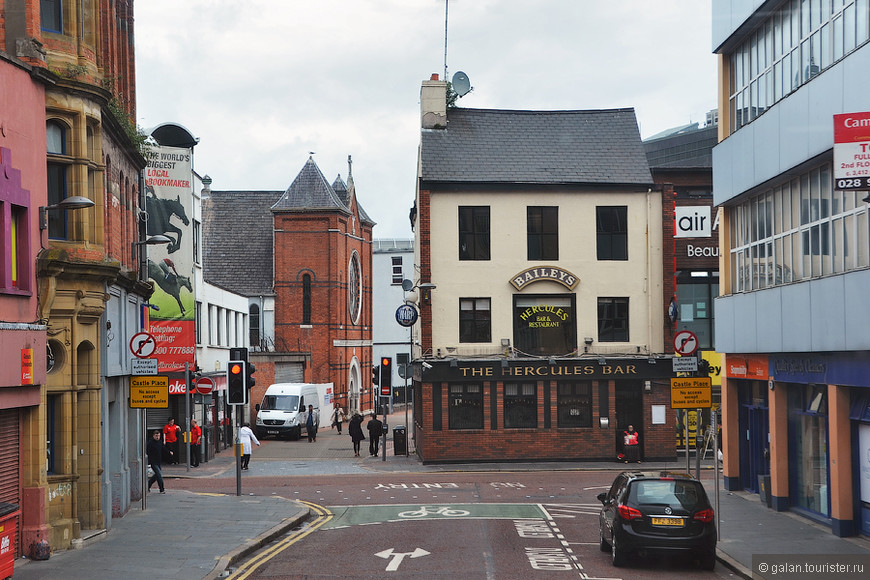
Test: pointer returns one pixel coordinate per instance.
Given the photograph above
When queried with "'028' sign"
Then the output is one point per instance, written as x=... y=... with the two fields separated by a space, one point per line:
x=406 y=315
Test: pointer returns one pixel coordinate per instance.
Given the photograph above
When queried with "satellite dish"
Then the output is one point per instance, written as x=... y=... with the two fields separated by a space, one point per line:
x=461 y=84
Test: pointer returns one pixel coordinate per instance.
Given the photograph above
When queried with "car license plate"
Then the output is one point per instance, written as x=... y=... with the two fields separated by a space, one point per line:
x=272 y=432
x=676 y=522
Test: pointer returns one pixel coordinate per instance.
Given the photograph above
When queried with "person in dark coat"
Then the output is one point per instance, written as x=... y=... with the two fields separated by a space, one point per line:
x=376 y=429
x=354 y=429
x=154 y=450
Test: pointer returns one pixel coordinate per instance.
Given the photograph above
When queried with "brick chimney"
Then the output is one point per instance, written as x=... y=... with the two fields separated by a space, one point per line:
x=433 y=103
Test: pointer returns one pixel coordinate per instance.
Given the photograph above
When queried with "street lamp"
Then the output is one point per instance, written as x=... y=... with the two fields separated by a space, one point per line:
x=71 y=202
x=411 y=297
x=150 y=241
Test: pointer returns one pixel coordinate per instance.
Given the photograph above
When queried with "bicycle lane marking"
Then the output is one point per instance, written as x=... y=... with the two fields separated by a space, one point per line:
x=357 y=515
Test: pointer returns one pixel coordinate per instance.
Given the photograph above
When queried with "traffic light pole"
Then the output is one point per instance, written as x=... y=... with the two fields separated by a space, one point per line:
x=238 y=449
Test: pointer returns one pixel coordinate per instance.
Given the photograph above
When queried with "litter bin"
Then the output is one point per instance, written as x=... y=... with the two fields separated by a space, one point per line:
x=8 y=514
x=764 y=490
x=400 y=440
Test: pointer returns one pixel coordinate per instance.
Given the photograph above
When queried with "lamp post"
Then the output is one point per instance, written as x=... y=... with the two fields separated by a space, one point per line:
x=72 y=202
x=407 y=315
x=157 y=240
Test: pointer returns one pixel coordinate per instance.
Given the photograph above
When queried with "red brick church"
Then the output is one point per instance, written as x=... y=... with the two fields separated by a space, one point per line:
x=306 y=255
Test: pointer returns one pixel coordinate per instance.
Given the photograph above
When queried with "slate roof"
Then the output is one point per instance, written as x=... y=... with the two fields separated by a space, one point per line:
x=237 y=240
x=536 y=147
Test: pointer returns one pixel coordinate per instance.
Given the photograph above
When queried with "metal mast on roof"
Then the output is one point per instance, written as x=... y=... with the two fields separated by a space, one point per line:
x=446 y=4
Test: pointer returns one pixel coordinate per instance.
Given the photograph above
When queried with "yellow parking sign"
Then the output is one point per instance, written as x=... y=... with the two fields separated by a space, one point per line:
x=691 y=393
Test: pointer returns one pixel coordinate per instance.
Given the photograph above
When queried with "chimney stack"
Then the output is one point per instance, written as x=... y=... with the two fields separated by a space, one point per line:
x=433 y=103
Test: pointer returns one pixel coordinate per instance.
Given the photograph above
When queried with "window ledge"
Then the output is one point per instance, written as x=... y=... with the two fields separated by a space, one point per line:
x=16 y=292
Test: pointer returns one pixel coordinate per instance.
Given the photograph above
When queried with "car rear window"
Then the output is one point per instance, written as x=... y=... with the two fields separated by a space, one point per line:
x=674 y=493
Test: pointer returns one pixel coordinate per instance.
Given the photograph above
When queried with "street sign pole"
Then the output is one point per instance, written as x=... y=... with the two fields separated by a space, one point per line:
x=187 y=410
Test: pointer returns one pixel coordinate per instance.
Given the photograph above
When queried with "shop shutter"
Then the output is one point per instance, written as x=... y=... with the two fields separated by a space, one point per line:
x=10 y=463
x=289 y=373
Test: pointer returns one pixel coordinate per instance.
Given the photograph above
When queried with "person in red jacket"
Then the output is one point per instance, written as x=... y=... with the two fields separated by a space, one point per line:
x=195 y=440
x=631 y=449
x=171 y=432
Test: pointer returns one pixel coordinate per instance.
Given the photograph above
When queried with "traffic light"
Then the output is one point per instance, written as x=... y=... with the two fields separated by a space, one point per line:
x=249 y=379
x=376 y=372
x=237 y=394
x=386 y=375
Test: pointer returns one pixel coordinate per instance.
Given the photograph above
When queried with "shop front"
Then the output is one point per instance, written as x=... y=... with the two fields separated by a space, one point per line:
x=556 y=409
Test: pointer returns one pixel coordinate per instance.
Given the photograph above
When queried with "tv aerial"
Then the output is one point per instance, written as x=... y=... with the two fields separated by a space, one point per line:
x=461 y=84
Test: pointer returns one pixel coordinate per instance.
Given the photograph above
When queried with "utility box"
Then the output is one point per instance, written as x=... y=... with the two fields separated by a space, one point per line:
x=9 y=513
x=400 y=440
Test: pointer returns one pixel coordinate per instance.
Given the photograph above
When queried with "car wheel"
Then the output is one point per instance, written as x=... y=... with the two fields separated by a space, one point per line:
x=708 y=561
x=605 y=547
x=617 y=556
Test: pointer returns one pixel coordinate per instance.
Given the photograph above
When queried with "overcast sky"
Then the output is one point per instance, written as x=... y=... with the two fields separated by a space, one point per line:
x=264 y=82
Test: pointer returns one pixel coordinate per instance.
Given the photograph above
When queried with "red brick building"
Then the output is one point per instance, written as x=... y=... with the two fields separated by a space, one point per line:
x=309 y=249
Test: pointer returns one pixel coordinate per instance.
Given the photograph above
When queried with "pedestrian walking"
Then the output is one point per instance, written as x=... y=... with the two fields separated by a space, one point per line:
x=354 y=428
x=195 y=442
x=246 y=438
x=376 y=429
x=338 y=418
x=312 y=422
x=171 y=432
x=154 y=451
x=631 y=449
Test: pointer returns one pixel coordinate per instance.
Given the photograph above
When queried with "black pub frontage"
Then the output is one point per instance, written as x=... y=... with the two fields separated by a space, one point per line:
x=541 y=409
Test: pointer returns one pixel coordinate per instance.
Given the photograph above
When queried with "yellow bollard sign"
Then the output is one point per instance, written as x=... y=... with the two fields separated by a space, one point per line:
x=691 y=393
x=149 y=392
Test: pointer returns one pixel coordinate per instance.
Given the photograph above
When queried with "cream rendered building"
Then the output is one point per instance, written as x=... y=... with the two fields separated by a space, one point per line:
x=544 y=335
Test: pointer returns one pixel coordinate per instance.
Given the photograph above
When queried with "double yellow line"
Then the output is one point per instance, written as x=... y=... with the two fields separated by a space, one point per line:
x=249 y=566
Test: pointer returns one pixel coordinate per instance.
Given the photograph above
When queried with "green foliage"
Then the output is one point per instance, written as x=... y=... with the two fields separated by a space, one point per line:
x=451 y=96
x=136 y=136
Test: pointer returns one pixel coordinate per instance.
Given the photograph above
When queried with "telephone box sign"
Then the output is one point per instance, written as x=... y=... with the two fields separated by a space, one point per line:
x=852 y=151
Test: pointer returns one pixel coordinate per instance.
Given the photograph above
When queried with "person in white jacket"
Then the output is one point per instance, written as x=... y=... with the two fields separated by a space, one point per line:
x=246 y=437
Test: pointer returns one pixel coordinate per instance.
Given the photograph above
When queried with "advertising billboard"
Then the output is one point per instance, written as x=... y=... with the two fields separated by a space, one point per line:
x=169 y=207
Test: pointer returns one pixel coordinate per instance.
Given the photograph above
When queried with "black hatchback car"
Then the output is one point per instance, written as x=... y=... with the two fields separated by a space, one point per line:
x=659 y=512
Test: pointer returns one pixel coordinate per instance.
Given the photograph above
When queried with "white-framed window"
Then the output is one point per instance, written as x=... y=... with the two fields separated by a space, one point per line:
x=796 y=43
x=397 y=270
x=797 y=230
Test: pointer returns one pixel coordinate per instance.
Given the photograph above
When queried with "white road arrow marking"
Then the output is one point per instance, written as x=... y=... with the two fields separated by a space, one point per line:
x=397 y=557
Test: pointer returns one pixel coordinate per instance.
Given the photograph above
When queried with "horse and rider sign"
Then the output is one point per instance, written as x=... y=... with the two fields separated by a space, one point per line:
x=169 y=207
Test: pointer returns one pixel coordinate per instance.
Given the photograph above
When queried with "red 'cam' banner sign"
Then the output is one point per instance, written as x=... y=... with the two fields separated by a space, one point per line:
x=852 y=127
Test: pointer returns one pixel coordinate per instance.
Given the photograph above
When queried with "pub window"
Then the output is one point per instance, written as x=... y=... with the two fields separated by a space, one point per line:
x=612 y=232
x=575 y=405
x=542 y=226
x=397 y=270
x=475 y=320
x=613 y=320
x=474 y=233
x=545 y=324
x=520 y=406
x=465 y=406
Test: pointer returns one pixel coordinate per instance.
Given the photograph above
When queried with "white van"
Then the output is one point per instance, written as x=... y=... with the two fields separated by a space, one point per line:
x=282 y=412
